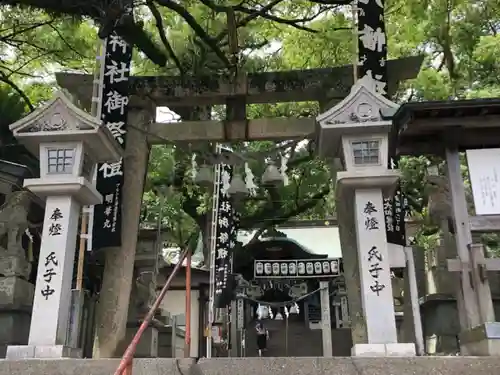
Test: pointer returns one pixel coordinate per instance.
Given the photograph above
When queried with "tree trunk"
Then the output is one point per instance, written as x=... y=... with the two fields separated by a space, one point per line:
x=118 y=272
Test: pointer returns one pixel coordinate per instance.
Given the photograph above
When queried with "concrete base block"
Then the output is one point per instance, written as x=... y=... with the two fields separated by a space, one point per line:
x=483 y=340
x=400 y=350
x=368 y=350
x=17 y=352
x=383 y=350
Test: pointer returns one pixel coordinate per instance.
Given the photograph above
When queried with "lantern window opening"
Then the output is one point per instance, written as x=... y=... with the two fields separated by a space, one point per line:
x=366 y=152
x=60 y=160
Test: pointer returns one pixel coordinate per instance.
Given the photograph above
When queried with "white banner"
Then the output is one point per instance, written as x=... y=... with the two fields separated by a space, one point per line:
x=484 y=174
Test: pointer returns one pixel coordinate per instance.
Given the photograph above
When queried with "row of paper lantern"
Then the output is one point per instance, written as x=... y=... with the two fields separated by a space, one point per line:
x=293 y=268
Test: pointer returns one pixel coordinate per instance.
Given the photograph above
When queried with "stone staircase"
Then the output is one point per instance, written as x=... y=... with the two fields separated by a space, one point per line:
x=299 y=342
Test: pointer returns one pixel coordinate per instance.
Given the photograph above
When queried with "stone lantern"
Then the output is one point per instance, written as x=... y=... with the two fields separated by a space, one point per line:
x=69 y=142
x=354 y=133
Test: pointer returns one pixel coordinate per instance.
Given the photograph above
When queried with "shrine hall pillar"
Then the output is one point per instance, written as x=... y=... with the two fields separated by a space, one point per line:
x=326 y=322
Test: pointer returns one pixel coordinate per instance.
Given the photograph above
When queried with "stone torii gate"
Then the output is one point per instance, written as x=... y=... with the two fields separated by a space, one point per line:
x=322 y=85
x=184 y=94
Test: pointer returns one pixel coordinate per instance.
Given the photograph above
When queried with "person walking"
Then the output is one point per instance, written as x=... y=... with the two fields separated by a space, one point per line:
x=262 y=337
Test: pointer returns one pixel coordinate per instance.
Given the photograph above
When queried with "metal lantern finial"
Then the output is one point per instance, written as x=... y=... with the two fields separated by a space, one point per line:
x=271 y=175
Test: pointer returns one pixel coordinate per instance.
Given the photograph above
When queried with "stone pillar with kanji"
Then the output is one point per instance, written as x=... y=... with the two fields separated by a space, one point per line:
x=355 y=133
x=69 y=143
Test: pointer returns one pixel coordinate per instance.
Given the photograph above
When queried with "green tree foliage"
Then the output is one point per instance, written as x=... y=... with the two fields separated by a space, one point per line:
x=459 y=39
x=191 y=37
x=34 y=44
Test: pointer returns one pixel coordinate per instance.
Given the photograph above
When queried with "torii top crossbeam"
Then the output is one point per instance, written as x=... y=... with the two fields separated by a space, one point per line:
x=267 y=87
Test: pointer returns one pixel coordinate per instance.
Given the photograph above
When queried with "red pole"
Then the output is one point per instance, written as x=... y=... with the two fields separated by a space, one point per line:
x=187 y=337
x=128 y=356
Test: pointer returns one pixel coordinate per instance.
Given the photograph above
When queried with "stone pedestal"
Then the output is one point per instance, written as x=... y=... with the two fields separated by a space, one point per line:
x=16 y=300
x=52 y=300
x=374 y=264
x=52 y=303
x=376 y=286
x=483 y=340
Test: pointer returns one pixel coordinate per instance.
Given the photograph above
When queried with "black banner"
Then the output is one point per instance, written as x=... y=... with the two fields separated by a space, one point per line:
x=225 y=236
x=372 y=46
x=106 y=230
x=395 y=213
x=372 y=52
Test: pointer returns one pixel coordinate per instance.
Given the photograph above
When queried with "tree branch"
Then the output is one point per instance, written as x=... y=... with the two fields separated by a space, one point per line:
x=105 y=15
x=202 y=34
x=75 y=51
x=8 y=81
x=269 y=217
x=293 y=23
x=17 y=71
x=163 y=37
x=29 y=28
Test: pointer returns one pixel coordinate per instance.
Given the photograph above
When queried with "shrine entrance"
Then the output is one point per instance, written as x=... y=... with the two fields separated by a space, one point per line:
x=290 y=290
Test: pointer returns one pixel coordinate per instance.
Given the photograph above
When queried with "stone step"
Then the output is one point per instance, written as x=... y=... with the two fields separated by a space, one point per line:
x=262 y=366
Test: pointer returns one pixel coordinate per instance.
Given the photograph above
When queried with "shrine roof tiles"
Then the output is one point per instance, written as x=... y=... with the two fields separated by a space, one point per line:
x=423 y=128
x=445 y=108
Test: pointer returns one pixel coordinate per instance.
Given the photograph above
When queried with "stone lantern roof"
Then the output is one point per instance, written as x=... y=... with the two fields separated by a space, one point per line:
x=363 y=111
x=60 y=120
